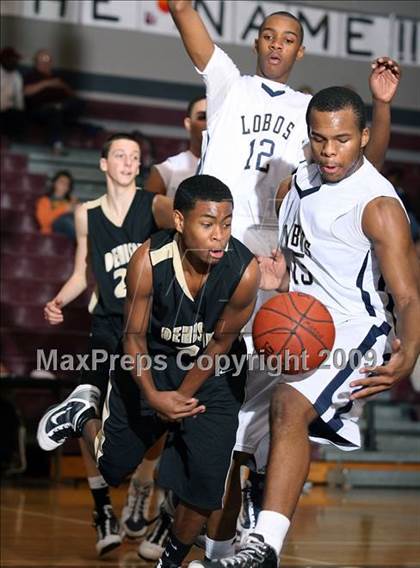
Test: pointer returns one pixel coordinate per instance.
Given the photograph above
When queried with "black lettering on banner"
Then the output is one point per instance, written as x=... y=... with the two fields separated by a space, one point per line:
x=323 y=25
x=413 y=42
x=97 y=16
x=63 y=7
x=217 y=25
x=351 y=34
x=258 y=15
x=401 y=38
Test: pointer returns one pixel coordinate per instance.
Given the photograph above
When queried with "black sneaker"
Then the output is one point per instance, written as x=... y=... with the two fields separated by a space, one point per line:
x=60 y=422
x=107 y=529
x=154 y=544
x=136 y=515
x=254 y=553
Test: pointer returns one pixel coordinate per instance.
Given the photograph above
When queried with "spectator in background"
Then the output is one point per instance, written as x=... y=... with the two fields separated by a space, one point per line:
x=11 y=94
x=165 y=177
x=54 y=210
x=395 y=175
x=50 y=100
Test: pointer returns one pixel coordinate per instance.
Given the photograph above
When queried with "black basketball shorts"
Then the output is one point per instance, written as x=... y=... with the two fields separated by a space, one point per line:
x=197 y=455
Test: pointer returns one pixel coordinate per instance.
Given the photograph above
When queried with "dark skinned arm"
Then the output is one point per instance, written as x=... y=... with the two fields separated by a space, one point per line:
x=232 y=320
x=383 y=83
x=385 y=224
x=170 y=405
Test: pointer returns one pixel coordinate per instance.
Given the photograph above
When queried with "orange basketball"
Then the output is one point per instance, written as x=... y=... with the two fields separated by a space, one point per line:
x=295 y=327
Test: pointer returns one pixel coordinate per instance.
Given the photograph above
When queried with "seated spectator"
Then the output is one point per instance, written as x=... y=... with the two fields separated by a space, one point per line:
x=54 y=211
x=49 y=99
x=11 y=95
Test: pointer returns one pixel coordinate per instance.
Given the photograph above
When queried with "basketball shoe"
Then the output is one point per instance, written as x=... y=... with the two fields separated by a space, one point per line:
x=137 y=514
x=254 y=553
x=66 y=420
x=107 y=530
x=154 y=544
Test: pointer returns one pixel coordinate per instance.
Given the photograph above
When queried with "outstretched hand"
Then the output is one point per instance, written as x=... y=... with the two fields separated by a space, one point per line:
x=272 y=270
x=384 y=79
x=384 y=377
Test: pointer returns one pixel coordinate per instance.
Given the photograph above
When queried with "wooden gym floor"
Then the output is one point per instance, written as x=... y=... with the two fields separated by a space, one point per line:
x=50 y=526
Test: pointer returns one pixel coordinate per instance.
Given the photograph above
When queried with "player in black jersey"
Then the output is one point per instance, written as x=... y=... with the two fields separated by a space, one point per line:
x=189 y=294
x=108 y=230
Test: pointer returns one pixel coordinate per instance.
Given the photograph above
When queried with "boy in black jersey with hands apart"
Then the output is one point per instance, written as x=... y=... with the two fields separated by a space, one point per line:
x=108 y=232
x=189 y=294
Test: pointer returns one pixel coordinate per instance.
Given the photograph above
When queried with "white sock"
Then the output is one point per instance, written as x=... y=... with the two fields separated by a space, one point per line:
x=97 y=482
x=216 y=549
x=273 y=527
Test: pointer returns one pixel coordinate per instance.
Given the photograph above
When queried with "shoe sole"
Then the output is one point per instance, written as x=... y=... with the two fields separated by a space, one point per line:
x=113 y=541
x=42 y=437
x=150 y=551
x=133 y=535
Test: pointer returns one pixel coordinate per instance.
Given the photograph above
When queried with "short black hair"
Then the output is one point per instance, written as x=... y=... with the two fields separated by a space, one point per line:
x=200 y=188
x=286 y=15
x=338 y=98
x=118 y=136
x=192 y=103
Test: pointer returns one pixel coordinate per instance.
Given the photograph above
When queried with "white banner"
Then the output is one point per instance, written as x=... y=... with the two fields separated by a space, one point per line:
x=327 y=32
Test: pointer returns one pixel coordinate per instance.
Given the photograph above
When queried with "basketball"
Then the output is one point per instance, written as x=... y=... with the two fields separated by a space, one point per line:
x=296 y=327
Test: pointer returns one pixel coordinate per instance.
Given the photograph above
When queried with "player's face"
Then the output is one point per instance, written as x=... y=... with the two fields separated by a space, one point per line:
x=278 y=47
x=123 y=162
x=336 y=143
x=205 y=230
x=196 y=123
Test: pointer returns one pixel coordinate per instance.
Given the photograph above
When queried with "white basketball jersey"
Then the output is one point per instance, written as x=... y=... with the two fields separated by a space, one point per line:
x=256 y=132
x=177 y=168
x=320 y=227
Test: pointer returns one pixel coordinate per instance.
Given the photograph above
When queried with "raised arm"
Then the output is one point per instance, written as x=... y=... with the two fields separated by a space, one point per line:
x=77 y=283
x=232 y=320
x=385 y=224
x=383 y=83
x=170 y=405
x=194 y=34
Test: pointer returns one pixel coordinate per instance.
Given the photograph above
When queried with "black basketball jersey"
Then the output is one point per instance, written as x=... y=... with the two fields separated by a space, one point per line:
x=111 y=247
x=179 y=322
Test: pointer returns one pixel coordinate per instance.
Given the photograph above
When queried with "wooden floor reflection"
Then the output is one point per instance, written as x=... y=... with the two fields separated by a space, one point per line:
x=50 y=526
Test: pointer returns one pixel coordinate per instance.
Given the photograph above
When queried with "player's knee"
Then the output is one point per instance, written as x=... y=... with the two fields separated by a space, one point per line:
x=113 y=474
x=289 y=407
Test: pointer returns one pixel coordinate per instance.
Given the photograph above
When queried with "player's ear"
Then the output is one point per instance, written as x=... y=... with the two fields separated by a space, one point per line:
x=103 y=165
x=178 y=221
x=300 y=53
x=187 y=124
x=365 y=138
x=255 y=46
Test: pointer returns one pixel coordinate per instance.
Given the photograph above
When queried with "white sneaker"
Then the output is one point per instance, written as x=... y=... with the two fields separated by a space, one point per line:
x=60 y=422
